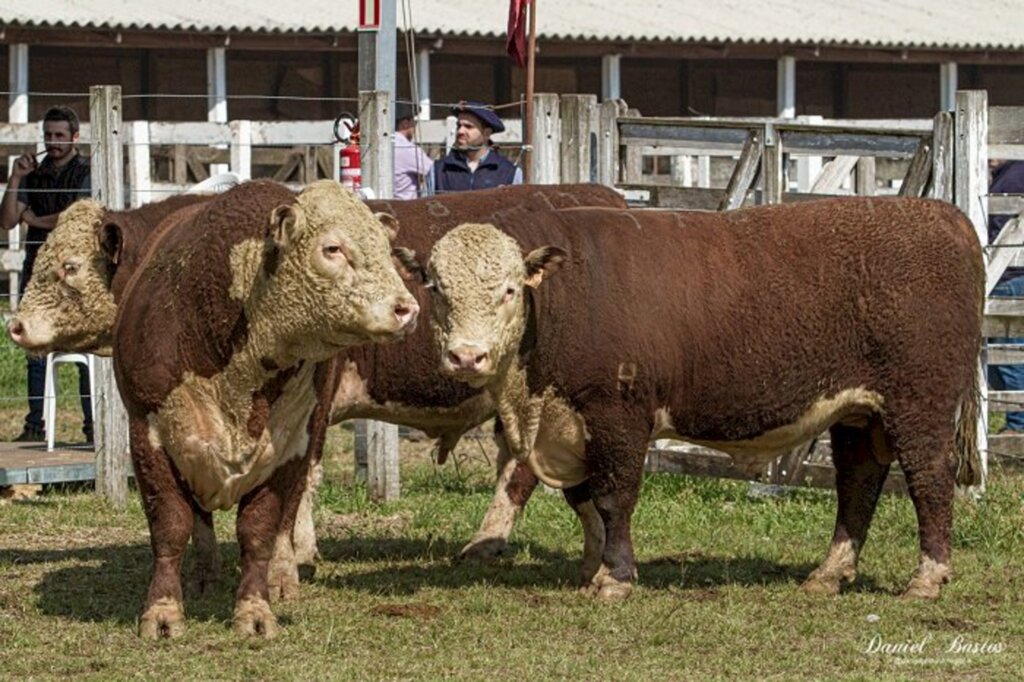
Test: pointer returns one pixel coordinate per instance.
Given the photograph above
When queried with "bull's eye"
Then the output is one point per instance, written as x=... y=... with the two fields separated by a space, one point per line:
x=333 y=251
x=70 y=269
x=510 y=293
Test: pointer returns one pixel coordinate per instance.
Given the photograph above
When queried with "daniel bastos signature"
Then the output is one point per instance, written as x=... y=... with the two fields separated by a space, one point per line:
x=928 y=644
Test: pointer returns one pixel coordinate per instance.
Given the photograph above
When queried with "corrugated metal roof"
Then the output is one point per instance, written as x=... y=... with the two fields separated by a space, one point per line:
x=952 y=24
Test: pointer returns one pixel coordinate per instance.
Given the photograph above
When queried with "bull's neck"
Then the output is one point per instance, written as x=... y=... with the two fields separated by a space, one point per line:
x=254 y=363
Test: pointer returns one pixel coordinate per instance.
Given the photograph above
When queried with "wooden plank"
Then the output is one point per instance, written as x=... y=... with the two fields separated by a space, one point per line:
x=288 y=169
x=382 y=471
x=241 y=148
x=919 y=172
x=180 y=164
x=853 y=144
x=190 y=132
x=690 y=198
x=139 y=179
x=110 y=417
x=1005 y=354
x=865 y=184
x=943 y=146
x=999 y=327
x=608 y=142
x=971 y=175
x=1005 y=401
x=745 y=172
x=834 y=174
x=578 y=116
x=545 y=162
x=196 y=166
x=1003 y=251
x=681 y=170
x=633 y=166
x=772 y=170
x=1006 y=125
x=1005 y=204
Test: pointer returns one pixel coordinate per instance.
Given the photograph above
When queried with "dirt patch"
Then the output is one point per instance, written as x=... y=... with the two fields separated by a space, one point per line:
x=949 y=623
x=412 y=610
x=708 y=594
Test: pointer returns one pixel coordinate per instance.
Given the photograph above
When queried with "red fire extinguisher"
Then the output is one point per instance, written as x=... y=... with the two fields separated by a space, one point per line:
x=351 y=174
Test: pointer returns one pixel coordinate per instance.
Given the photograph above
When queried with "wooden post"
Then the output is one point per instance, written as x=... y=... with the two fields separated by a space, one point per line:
x=109 y=415
x=379 y=440
x=611 y=77
x=139 y=178
x=217 y=92
x=971 y=194
x=579 y=126
x=241 y=148
x=17 y=112
x=743 y=176
x=545 y=160
x=633 y=168
x=771 y=167
x=942 y=157
x=865 y=183
x=785 y=88
x=608 y=142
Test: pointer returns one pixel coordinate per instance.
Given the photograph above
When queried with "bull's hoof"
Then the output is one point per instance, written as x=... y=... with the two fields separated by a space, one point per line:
x=923 y=588
x=606 y=588
x=825 y=587
x=253 y=618
x=483 y=551
x=283 y=581
x=164 y=618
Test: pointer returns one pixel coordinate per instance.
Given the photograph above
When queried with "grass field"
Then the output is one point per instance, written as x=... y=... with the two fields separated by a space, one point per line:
x=718 y=595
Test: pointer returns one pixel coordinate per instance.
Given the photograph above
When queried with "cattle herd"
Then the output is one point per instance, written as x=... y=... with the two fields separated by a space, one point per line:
x=243 y=324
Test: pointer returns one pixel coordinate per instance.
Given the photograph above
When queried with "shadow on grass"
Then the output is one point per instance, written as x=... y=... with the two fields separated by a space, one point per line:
x=110 y=583
x=545 y=569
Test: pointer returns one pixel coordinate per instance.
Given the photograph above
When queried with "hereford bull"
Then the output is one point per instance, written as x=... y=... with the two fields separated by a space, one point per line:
x=69 y=304
x=219 y=344
x=749 y=332
x=396 y=383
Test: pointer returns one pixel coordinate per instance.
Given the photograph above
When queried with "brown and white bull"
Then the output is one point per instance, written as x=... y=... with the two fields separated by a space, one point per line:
x=749 y=332
x=219 y=344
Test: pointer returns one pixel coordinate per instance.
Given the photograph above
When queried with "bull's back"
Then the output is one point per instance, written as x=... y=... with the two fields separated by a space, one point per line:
x=708 y=311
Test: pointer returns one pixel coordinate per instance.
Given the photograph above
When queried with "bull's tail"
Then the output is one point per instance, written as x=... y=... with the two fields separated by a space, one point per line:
x=966 y=455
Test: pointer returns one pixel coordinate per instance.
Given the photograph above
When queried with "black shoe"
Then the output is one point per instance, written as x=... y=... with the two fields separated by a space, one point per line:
x=31 y=435
x=88 y=436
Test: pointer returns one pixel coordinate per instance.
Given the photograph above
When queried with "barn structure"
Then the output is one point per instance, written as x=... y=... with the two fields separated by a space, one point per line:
x=230 y=59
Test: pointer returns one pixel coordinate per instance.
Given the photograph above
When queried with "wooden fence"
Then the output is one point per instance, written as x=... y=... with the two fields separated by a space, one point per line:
x=689 y=163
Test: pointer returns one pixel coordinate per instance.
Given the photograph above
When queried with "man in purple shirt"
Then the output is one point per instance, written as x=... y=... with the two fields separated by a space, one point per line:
x=412 y=166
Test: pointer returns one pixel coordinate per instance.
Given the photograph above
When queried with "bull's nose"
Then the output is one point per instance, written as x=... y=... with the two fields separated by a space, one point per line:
x=469 y=359
x=16 y=329
x=406 y=312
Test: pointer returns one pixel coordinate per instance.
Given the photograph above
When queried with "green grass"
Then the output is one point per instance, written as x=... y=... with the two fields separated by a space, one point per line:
x=718 y=595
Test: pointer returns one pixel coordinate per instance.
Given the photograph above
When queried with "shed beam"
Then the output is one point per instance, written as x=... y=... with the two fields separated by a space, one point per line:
x=423 y=83
x=786 y=87
x=217 y=85
x=947 y=86
x=611 y=77
x=17 y=109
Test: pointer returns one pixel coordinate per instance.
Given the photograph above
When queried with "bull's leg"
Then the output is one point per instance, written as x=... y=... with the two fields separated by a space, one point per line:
x=295 y=546
x=206 y=568
x=260 y=516
x=515 y=485
x=930 y=479
x=862 y=463
x=169 y=515
x=579 y=499
x=615 y=455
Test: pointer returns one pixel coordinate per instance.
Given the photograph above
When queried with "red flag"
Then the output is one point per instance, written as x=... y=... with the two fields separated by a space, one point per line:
x=515 y=43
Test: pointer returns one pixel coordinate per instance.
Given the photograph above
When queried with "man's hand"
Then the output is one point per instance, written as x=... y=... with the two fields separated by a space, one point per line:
x=23 y=165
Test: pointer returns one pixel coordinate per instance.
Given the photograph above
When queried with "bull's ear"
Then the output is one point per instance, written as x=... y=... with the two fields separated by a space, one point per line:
x=286 y=222
x=408 y=266
x=390 y=224
x=541 y=263
x=111 y=238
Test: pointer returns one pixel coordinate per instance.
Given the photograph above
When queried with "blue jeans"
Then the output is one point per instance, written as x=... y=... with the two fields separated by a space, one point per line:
x=36 y=387
x=1009 y=377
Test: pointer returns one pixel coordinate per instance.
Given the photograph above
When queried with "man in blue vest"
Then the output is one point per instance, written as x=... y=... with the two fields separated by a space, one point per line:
x=472 y=163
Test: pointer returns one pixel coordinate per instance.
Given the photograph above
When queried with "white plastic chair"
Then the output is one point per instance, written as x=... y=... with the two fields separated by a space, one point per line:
x=50 y=389
x=221 y=182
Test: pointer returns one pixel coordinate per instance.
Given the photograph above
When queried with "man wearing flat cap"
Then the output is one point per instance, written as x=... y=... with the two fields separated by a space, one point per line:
x=472 y=164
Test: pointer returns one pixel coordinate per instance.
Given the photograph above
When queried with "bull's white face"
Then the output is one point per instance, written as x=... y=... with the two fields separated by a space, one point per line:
x=334 y=283
x=477 y=276
x=67 y=305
